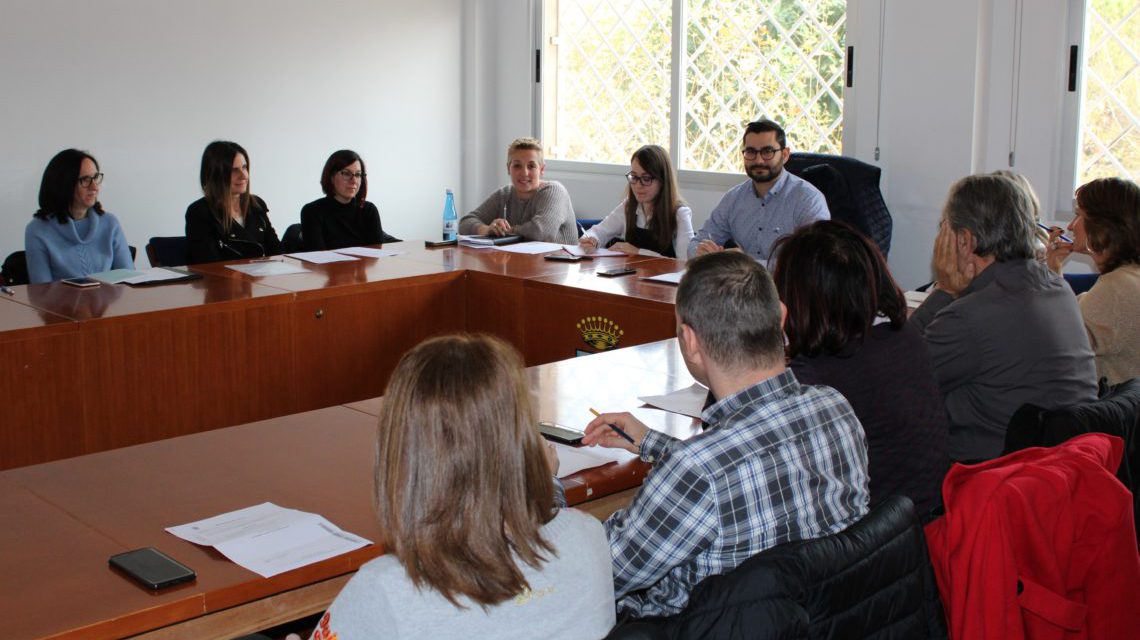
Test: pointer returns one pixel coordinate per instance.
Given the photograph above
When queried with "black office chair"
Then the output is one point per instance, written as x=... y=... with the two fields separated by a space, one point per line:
x=873 y=580
x=851 y=188
x=15 y=269
x=292 y=241
x=169 y=251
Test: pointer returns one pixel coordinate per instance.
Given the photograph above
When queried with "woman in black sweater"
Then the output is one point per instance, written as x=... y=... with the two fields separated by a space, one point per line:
x=343 y=218
x=846 y=328
x=229 y=222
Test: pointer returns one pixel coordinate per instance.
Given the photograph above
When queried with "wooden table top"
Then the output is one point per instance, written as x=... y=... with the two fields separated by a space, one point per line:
x=65 y=518
x=629 y=286
x=18 y=321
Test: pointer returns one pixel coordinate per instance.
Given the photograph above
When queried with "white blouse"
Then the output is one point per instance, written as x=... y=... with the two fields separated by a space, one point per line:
x=613 y=226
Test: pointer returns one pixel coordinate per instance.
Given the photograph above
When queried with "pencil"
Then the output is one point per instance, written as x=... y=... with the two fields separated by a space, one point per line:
x=618 y=430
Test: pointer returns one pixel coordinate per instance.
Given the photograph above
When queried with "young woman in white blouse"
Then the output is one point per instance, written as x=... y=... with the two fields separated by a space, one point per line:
x=653 y=219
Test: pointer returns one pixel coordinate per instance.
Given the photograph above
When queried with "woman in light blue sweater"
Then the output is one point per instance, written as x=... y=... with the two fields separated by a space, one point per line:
x=70 y=235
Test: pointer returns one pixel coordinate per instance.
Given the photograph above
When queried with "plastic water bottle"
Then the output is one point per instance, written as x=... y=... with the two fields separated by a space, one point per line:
x=450 y=219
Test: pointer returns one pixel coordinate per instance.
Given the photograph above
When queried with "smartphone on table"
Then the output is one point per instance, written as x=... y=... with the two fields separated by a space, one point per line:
x=560 y=433
x=152 y=568
x=611 y=272
x=81 y=282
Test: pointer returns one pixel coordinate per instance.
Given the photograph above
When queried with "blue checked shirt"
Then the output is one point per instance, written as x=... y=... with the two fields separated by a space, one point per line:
x=779 y=462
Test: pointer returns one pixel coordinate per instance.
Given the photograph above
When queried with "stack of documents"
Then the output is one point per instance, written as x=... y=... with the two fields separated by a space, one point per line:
x=268 y=539
x=571 y=460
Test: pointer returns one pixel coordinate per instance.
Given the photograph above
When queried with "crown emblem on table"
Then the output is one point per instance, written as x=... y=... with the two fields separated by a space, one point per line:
x=600 y=333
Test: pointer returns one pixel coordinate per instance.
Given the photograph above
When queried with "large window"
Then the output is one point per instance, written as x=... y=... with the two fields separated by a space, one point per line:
x=687 y=74
x=1110 y=99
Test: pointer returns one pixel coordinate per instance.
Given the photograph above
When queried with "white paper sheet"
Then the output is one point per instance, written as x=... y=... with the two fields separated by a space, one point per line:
x=474 y=242
x=914 y=299
x=268 y=539
x=596 y=253
x=687 y=401
x=154 y=274
x=571 y=460
x=368 y=252
x=268 y=268
x=669 y=278
x=322 y=257
x=530 y=247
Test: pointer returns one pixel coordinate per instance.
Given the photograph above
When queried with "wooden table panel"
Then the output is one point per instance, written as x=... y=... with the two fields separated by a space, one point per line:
x=56 y=582
x=319 y=461
x=346 y=346
x=35 y=390
x=185 y=373
x=564 y=320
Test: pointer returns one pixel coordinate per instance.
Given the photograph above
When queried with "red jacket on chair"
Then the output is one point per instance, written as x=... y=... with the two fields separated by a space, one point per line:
x=1039 y=544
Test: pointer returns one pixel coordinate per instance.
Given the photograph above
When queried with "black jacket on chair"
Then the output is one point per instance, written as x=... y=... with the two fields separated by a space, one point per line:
x=873 y=580
x=851 y=188
x=1116 y=413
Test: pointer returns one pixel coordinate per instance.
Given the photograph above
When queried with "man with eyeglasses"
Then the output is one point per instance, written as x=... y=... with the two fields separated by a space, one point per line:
x=771 y=204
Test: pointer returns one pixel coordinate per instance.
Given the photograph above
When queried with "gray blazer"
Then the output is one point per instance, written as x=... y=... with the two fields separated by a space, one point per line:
x=1015 y=335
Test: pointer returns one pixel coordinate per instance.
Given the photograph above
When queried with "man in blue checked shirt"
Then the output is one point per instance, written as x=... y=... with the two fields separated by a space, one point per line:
x=779 y=461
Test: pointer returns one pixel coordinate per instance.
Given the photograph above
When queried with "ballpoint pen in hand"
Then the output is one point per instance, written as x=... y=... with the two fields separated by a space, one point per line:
x=618 y=430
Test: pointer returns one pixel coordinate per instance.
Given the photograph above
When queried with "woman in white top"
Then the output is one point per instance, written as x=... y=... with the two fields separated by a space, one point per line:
x=652 y=220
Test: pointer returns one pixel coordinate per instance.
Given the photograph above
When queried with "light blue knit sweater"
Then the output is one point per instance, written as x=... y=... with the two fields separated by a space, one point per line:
x=73 y=250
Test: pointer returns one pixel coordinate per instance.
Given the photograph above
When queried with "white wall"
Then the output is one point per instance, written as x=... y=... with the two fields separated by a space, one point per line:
x=145 y=85
x=947 y=87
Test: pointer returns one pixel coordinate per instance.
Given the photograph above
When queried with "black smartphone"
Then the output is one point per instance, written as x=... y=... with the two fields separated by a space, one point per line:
x=563 y=257
x=81 y=282
x=560 y=433
x=610 y=272
x=431 y=244
x=152 y=568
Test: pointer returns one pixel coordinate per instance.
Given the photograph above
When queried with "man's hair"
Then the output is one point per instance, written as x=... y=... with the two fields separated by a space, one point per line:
x=835 y=284
x=764 y=125
x=524 y=144
x=730 y=303
x=462 y=483
x=1112 y=220
x=997 y=211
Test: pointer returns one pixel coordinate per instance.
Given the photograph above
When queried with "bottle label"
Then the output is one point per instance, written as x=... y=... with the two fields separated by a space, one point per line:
x=450 y=229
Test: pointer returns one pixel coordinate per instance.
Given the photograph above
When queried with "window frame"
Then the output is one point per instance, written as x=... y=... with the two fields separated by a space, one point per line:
x=540 y=110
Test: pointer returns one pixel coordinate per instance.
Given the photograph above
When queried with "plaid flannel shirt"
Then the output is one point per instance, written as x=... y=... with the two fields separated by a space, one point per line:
x=779 y=462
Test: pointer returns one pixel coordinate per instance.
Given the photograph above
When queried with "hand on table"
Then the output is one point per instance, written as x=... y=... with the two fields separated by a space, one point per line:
x=625 y=247
x=953 y=270
x=598 y=432
x=708 y=246
x=498 y=227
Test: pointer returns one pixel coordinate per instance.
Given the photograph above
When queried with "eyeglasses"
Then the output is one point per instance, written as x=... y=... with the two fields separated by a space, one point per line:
x=349 y=175
x=766 y=153
x=644 y=181
x=85 y=181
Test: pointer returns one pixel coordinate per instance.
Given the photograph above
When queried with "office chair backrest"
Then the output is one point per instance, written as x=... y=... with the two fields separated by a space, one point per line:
x=169 y=251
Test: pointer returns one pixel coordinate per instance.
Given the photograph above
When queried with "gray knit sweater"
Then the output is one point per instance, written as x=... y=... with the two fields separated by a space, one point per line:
x=547 y=216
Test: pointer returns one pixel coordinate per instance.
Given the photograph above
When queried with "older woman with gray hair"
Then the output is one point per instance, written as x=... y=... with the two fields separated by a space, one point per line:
x=1001 y=328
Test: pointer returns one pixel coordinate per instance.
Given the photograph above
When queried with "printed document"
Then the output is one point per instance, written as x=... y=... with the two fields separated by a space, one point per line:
x=571 y=460
x=268 y=268
x=687 y=401
x=268 y=539
x=368 y=252
x=322 y=257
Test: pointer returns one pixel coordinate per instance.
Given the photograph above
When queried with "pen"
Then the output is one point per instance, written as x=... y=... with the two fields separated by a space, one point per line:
x=618 y=430
x=1049 y=229
x=7 y=290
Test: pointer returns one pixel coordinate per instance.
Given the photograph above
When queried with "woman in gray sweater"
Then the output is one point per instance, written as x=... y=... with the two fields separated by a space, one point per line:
x=464 y=494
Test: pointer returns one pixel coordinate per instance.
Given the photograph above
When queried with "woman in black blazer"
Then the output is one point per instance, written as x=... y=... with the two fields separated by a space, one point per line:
x=229 y=222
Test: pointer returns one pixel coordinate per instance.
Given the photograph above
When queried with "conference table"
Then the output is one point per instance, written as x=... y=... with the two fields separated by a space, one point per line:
x=65 y=518
x=88 y=370
x=128 y=410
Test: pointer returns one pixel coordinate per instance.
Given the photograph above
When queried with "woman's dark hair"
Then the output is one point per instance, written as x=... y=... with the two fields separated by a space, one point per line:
x=663 y=226
x=57 y=187
x=1112 y=220
x=834 y=283
x=337 y=161
x=215 y=175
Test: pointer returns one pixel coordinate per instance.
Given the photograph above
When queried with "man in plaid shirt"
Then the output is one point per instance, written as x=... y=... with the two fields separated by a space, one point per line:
x=779 y=461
